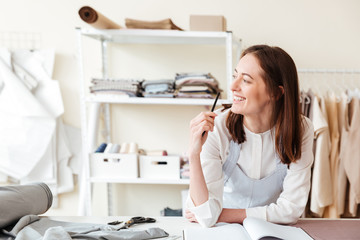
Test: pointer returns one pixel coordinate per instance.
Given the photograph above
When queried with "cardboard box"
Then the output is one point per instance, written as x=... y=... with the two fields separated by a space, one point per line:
x=207 y=23
x=160 y=167
x=114 y=165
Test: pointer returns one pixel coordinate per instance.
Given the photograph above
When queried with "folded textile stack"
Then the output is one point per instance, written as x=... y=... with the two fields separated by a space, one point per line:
x=162 y=24
x=126 y=87
x=196 y=85
x=159 y=88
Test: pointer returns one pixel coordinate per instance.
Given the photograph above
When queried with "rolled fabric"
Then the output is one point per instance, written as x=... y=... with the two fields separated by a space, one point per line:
x=20 y=200
x=96 y=19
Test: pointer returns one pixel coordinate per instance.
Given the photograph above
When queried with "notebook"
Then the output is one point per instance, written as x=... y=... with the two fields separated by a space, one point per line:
x=252 y=229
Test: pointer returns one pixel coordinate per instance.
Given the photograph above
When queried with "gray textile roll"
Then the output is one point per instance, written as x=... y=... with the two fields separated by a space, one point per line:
x=20 y=200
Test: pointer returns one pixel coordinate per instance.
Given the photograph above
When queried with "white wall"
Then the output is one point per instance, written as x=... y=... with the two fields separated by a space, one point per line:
x=317 y=34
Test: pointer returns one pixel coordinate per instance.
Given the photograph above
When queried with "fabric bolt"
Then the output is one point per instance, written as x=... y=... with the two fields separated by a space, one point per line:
x=251 y=192
x=101 y=148
x=115 y=148
x=20 y=200
x=108 y=148
x=350 y=153
x=321 y=185
x=291 y=202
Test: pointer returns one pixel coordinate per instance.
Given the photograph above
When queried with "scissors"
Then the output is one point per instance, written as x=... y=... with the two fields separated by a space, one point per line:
x=136 y=220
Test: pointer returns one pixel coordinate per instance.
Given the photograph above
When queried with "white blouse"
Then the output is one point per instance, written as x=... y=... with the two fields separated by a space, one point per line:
x=256 y=160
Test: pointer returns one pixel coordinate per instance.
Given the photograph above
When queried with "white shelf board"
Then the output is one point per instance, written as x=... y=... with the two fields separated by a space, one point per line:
x=141 y=181
x=141 y=100
x=147 y=36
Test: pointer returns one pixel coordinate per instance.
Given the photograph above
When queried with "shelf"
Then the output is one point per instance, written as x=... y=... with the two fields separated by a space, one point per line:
x=145 y=36
x=164 y=101
x=142 y=181
x=89 y=127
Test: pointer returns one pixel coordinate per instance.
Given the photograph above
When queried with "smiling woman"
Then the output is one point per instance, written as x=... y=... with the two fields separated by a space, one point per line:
x=255 y=158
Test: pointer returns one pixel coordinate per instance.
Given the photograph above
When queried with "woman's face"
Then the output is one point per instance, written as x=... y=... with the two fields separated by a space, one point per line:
x=250 y=97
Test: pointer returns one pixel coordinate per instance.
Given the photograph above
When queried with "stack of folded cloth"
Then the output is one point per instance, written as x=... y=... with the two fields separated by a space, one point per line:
x=159 y=88
x=196 y=85
x=126 y=87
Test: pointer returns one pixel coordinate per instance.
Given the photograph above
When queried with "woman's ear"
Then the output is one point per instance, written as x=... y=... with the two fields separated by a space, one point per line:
x=281 y=92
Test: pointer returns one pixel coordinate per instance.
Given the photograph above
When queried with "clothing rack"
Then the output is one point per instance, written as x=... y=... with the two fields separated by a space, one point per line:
x=325 y=80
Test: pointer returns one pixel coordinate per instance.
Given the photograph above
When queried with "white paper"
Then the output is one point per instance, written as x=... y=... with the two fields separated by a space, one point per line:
x=221 y=231
x=258 y=228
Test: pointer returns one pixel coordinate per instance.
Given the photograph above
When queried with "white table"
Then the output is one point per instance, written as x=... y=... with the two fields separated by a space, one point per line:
x=317 y=228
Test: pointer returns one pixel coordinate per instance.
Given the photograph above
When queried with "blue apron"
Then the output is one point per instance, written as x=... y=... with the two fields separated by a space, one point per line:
x=241 y=191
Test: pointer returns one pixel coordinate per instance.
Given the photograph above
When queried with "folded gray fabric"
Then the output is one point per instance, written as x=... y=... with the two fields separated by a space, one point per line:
x=20 y=200
x=34 y=227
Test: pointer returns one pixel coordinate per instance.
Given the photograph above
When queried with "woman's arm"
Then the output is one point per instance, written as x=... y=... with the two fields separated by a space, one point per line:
x=206 y=183
x=232 y=215
x=204 y=122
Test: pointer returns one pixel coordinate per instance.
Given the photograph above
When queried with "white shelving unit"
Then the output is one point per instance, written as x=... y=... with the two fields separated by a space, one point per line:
x=93 y=102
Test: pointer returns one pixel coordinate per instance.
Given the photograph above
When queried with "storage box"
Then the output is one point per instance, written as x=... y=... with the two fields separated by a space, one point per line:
x=207 y=23
x=114 y=165
x=160 y=167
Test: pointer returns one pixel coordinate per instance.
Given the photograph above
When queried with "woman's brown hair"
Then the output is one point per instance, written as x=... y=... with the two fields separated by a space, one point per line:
x=279 y=70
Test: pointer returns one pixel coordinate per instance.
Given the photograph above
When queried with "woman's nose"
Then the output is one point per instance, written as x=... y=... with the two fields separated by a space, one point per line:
x=236 y=84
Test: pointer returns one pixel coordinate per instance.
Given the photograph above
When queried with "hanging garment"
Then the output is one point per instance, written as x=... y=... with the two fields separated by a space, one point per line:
x=40 y=149
x=26 y=126
x=305 y=103
x=311 y=96
x=331 y=109
x=342 y=107
x=321 y=185
x=350 y=153
x=251 y=192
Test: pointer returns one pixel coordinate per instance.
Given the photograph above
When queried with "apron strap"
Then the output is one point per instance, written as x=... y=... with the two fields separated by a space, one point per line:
x=230 y=163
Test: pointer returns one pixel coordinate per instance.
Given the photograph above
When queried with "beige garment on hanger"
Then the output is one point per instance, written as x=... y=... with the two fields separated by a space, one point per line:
x=342 y=107
x=321 y=187
x=350 y=153
x=331 y=109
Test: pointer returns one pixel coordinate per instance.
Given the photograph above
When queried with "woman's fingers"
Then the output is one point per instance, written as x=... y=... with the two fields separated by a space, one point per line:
x=203 y=122
x=203 y=116
x=190 y=216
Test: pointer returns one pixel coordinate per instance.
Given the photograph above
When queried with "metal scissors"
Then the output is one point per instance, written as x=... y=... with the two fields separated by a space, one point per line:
x=136 y=220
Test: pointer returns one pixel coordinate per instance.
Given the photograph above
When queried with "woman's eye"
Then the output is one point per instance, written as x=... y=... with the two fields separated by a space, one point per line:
x=245 y=81
x=234 y=76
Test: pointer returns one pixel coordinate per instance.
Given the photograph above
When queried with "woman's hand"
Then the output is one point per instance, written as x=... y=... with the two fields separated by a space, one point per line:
x=190 y=216
x=203 y=122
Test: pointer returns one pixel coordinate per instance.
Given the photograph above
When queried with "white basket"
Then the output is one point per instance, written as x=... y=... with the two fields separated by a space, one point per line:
x=114 y=165
x=160 y=167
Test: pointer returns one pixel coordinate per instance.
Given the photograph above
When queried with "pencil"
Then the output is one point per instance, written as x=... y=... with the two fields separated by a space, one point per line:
x=213 y=107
